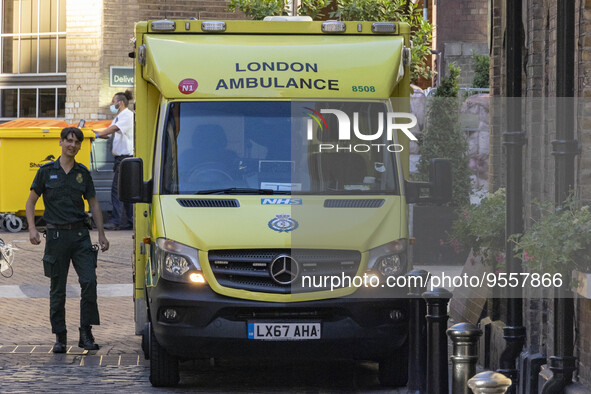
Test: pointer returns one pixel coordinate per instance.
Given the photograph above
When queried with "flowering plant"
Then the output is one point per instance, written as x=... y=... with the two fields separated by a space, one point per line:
x=560 y=241
x=482 y=228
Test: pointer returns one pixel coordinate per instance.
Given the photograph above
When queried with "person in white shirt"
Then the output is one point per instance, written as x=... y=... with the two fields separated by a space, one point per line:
x=122 y=130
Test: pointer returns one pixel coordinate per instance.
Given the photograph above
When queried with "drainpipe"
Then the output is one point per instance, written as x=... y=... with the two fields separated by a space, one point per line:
x=565 y=148
x=513 y=139
x=438 y=60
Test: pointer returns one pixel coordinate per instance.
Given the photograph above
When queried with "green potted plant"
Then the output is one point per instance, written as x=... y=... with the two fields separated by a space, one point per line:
x=558 y=244
x=481 y=228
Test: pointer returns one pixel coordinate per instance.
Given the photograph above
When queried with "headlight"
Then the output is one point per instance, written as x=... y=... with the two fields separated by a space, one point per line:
x=388 y=259
x=177 y=262
x=390 y=265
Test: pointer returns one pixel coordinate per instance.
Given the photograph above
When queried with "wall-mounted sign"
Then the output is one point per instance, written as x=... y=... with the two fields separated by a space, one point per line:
x=121 y=76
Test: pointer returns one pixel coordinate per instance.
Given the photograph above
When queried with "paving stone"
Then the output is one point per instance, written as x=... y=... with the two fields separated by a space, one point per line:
x=91 y=361
x=130 y=359
x=110 y=360
x=42 y=349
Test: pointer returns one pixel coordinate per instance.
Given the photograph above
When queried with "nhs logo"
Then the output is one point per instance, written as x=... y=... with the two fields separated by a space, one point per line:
x=281 y=201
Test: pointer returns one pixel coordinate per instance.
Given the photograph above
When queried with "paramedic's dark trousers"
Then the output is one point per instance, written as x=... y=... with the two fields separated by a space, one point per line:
x=118 y=206
x=61 y=246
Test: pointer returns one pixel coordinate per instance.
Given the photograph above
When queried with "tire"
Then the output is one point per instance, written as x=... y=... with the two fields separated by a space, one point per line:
x=164 y=368
x=13 y=224
x=146 y=340
x=393 y=370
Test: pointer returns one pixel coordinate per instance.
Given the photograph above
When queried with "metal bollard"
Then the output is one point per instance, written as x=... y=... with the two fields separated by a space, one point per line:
x=465 y=355
x=489 y=382
x=417 y=331
x=437 y=373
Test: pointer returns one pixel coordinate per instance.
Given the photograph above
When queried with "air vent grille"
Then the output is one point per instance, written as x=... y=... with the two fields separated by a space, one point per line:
x=208 y=203
x=354 y=203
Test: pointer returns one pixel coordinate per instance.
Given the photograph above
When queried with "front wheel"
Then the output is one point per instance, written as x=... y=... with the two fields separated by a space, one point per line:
x=14 y=224
x=393 y=370
x=164 y=368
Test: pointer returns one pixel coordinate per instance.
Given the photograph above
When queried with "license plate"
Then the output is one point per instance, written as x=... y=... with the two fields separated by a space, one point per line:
x=283 y=331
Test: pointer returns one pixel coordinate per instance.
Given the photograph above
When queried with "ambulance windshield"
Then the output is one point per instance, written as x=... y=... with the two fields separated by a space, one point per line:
x=278 y=147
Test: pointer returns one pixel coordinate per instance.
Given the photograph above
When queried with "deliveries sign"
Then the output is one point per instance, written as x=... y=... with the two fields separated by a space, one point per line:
x=121 y=76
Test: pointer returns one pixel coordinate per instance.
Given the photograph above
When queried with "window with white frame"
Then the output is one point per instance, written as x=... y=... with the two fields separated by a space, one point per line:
x=33 y=58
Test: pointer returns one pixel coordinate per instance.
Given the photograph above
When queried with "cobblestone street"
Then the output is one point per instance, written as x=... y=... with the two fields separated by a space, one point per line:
x=28 y=365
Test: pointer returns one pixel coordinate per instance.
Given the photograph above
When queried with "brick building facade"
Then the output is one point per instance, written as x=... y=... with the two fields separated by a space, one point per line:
x=93 y=36
x=462 y=29
x=111 y=42
x=539 y=90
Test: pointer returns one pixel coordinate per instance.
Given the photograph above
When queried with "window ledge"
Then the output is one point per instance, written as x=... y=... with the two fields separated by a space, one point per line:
x=24 y=80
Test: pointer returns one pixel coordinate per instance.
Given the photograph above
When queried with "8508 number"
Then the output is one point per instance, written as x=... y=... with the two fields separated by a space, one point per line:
x=362 y=88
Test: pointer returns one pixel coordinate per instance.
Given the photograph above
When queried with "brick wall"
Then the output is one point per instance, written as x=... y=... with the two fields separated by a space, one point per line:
x=583 y=74
x=119 y=17
x=98 y=37
x=83 y=57
x=539 y=126
x=181 y=9
x=583 y=351
x=496 y=169
x=462 y=26
x=583 y=167
x=462 y=20
x=461 y=53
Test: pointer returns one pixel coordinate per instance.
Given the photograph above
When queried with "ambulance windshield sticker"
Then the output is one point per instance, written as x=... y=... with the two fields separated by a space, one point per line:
x=188 y=86
x=283 y=223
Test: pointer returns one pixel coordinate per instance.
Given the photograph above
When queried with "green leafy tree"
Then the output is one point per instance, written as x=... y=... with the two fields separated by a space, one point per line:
x=358 y=10
x=313 y=8
x=443 y=137
x=481 y=227
x=560 y=241
x=258 y=9
x=481 y=71
x=421 y=51
x=395 y=10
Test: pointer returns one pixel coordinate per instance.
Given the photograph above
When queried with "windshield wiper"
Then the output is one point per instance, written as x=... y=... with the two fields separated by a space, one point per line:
x=241 y=190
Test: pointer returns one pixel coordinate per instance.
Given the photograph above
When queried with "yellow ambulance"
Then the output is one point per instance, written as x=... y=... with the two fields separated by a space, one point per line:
x=270 y=193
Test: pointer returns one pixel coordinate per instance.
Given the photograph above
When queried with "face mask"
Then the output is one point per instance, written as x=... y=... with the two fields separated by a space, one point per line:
x=113 y=109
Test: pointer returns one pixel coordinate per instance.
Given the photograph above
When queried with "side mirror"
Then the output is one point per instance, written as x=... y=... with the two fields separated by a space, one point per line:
x=437 y=190
x=132 y=187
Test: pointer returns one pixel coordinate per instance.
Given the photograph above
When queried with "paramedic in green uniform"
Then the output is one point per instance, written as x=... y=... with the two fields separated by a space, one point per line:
x=63 y=183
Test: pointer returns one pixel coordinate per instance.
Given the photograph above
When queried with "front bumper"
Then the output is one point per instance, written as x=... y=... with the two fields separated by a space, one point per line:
x=211 y=325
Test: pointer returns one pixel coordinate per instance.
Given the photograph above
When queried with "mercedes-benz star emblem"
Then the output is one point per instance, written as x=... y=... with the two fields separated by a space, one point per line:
x=284 y=269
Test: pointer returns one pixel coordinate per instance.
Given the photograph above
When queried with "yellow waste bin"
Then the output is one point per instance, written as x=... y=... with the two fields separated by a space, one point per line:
x=22 y=151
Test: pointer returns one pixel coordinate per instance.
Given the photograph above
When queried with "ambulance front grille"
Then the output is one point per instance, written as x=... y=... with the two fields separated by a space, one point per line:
x=251 y=269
